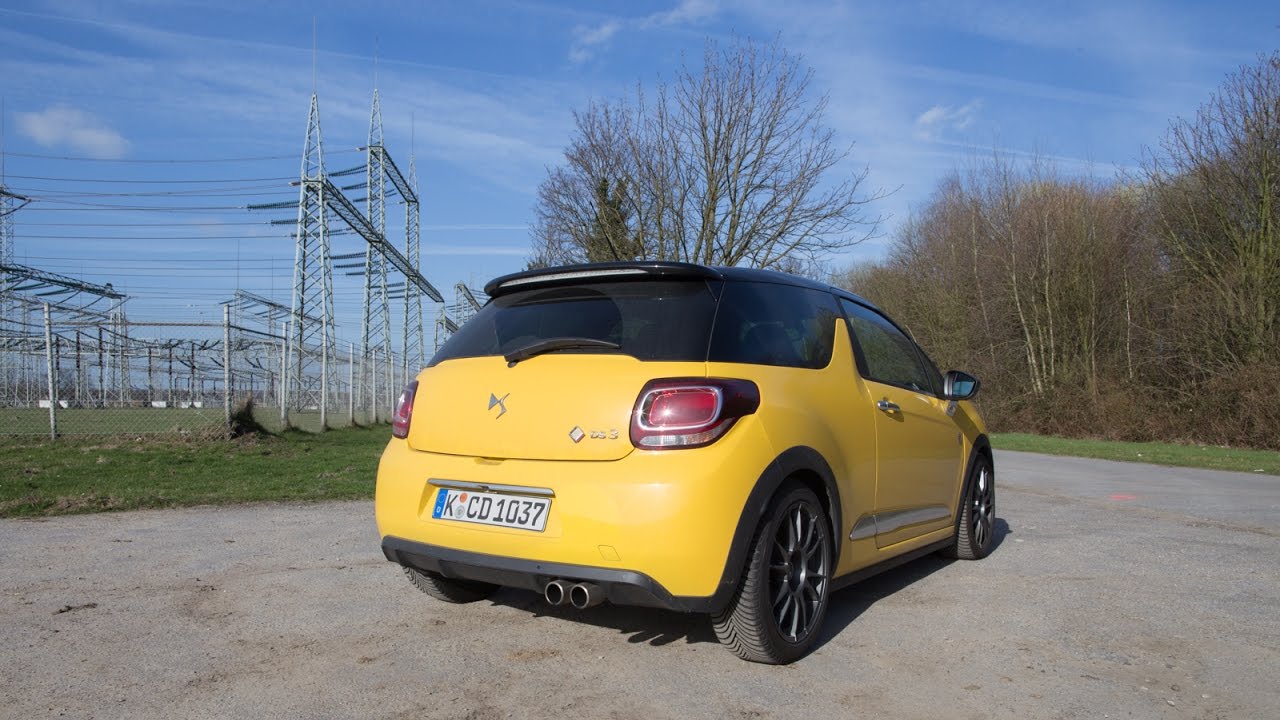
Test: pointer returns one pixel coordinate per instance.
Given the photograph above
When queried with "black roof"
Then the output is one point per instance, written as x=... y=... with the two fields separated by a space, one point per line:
x=642 y=269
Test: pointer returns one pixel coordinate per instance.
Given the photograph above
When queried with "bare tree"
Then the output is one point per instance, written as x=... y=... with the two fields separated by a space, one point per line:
x=729 y=164
x=1215 y=186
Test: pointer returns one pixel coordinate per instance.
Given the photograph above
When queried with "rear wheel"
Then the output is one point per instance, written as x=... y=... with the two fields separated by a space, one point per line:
x=450 y=591
x=777 y=611
x=975 y=533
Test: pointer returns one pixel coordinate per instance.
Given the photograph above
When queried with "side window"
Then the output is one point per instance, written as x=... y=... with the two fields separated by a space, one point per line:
x=885 y=354
x=768 y=324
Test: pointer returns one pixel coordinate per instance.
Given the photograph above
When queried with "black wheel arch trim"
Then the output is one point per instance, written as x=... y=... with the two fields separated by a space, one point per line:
x=794 y=460
x=980 y=444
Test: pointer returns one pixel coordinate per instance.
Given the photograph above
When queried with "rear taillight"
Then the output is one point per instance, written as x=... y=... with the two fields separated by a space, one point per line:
x=404 y=411
x=689 y=412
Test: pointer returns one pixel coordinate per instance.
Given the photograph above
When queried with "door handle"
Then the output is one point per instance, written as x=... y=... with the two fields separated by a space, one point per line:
x=888 y=407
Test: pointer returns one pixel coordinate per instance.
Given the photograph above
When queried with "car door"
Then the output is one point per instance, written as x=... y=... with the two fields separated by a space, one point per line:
x=918 y=446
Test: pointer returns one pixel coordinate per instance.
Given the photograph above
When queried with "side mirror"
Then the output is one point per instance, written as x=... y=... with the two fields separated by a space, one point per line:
x=958 y=385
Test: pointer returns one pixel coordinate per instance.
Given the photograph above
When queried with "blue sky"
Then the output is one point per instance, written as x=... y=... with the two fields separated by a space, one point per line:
x=482 y=93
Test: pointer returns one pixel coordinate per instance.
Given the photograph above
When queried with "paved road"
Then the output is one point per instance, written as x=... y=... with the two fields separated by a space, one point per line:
x=1117 y=590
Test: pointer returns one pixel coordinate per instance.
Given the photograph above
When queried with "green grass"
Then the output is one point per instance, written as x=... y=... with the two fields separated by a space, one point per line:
x=157 y=421
x=86 y=421
x=77 y=475
x=1196 y=456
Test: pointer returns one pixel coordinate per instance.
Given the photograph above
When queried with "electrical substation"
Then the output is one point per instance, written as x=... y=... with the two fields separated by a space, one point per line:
x=72 y=360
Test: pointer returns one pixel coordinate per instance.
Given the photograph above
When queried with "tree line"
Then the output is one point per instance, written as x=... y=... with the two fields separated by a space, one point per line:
x=1143 y=307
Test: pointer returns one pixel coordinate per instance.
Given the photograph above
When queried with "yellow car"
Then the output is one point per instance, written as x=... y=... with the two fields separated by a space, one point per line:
x=725 y=441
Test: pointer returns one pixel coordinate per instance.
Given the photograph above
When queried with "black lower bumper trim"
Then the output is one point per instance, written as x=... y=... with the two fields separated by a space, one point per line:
x=621 y=587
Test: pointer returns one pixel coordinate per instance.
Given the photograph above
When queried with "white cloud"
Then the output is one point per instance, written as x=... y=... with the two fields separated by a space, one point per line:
x=65 y=126
x=931 y=123
x=687 y=12
x=587 y=38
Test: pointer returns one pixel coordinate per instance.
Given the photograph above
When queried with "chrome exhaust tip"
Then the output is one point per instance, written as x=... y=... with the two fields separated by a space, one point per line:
x=556 y=592
x=585 y=595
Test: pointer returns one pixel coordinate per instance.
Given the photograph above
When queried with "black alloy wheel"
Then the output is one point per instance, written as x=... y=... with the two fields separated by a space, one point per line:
x=780 y=604
x=976 y=526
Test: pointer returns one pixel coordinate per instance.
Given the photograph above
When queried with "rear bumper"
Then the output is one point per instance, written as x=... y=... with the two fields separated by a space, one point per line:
x=670 y=517
x=621 y=587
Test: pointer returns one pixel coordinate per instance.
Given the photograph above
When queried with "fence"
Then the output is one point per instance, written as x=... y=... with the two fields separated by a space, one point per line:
x=77 y=376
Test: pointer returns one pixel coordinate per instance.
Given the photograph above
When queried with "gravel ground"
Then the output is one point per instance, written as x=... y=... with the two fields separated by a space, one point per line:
x=1117 y=590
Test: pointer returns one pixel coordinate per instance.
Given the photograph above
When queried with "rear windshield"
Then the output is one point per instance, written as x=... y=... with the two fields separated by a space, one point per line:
x=768 y=324
x=664 y=320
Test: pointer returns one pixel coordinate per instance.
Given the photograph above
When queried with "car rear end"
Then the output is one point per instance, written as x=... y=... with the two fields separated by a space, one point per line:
x=570 y=432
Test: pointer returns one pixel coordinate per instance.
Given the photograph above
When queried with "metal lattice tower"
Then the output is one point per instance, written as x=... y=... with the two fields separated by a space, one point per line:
x=445 y=326
x=7 y=205
x=7 y=210
x=466 y=303
x=376 y=335
x=414 y=338
x=311 y=343
x=70 y=302
x=9 y=325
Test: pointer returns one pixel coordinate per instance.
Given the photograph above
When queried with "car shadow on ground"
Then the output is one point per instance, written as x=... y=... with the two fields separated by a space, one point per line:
x=642 y=625
x=662 y=627
x=850 y=603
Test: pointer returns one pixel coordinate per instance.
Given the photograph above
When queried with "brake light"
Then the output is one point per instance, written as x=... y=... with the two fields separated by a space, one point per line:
x=689 y=412
x=404 y=411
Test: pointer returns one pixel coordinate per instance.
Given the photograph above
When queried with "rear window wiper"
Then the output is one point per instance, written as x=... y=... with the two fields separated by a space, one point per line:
x=560 y=343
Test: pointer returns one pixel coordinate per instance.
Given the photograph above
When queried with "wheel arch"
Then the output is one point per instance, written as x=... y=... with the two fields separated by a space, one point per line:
x=803 y=464
x=981 y=449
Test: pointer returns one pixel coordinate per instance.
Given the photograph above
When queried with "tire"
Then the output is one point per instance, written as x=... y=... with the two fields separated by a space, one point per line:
x=781 y=601
x=446 y=590
x=976 y=527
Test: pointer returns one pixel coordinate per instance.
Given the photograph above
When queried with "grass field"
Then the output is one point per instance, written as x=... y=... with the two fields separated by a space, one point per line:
x=92 y=474
x=90 y=421
x=156 y=421
x=1197 y=456
x=75 y=475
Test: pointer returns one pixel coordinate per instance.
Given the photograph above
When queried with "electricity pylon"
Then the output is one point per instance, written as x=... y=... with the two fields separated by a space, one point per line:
x=10 y=328
x=311 y=342
x=414 y=340
x=376 y=335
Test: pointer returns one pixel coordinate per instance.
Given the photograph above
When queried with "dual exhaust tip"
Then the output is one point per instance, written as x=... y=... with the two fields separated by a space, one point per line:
x=580 y=595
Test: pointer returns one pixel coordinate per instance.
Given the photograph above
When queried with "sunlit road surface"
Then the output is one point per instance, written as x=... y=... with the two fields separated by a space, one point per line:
x=1117 y=590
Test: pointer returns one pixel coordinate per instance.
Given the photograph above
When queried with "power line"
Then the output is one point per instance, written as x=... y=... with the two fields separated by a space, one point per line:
x=99 y=207
x=182 y=161
x=156 y=225
x=155 y=237
x=202 y=259
x=54 y=195
x=211 y=181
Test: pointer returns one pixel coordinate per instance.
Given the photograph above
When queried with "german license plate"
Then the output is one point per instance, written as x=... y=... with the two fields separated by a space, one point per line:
x=486 y=508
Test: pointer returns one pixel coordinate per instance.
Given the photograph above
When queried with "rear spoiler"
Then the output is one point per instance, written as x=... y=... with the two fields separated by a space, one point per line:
x=570 y=274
